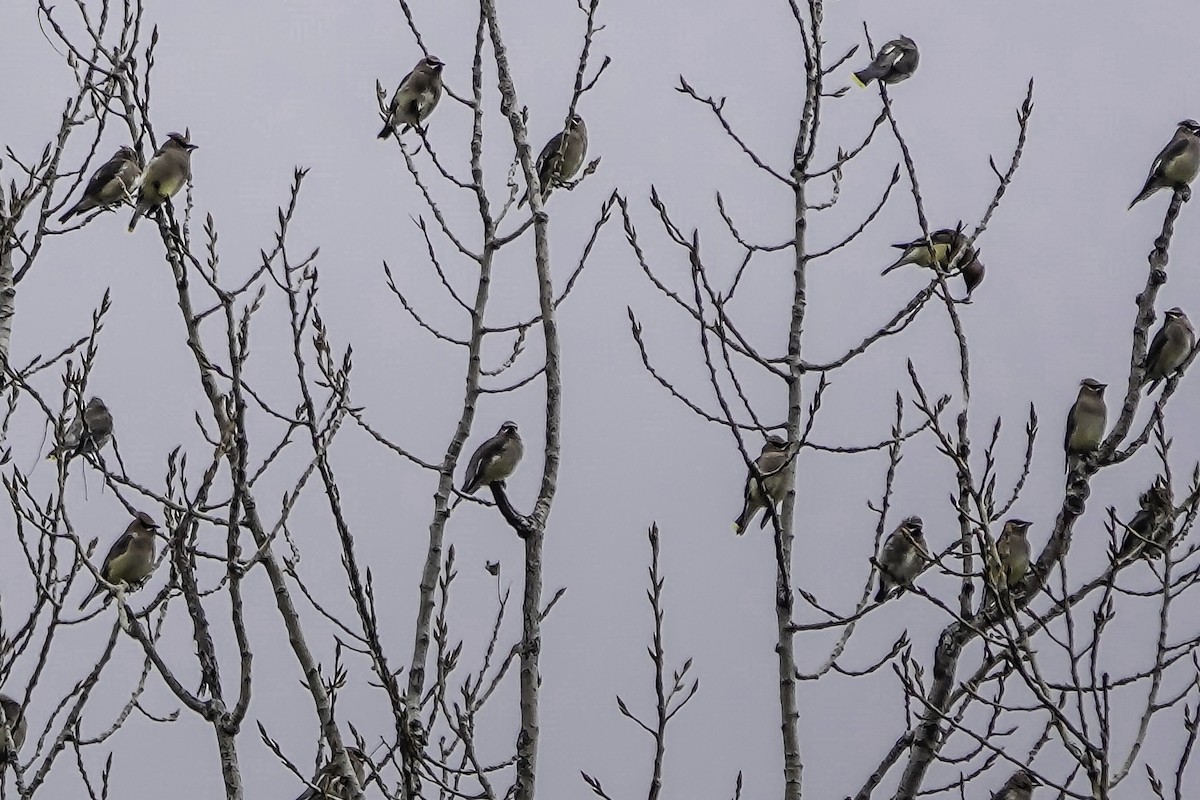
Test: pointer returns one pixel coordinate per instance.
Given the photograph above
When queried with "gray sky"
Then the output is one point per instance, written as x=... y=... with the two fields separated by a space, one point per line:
x=268 y=86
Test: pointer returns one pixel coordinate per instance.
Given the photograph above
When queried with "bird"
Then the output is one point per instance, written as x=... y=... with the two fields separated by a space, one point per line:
x=495 y=459
x=1086 y=420
x=1176 y=166
x=946 y=243
x=15 y=725
x=416 y=97
x=165 y=175
x=1170 y=348
x=904 y=556
x=1019 y=786
x=1012 y=550
x=772 y=464
x=897 y=61
x=87 y=433
x=329 y=783
x=110 y=184
x=1153 y=517
x=131 y=558
x=561 y=158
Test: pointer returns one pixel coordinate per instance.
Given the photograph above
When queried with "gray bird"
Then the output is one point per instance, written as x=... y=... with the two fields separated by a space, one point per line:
x=1170 y=348
x=330 y=784
x=88 y=432
x=904 y=556
x=165 y=175
x=415 y=98
x=1151 y=525
x=495 y=459
x=131 y=558
x=561 y=158
x=1012 y=548
x=772 y=463
x=946 y=243
x=1019 y=786
x=15 y=725
x=1086 y=421
x=1176 y=166
x=897 y=61
x=110 y=185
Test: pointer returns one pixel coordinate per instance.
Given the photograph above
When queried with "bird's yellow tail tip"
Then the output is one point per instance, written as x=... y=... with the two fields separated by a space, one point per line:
x=857 y=80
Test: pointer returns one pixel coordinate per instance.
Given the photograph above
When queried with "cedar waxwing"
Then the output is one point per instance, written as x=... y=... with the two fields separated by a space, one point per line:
x=904 y=556
x=329 y=782
x=416 y=96
x=1013 y=550
x=110 y=185
x=495 y=459
x=88 y=432
x=561 y=158
x=1170 y=348
x=1154 y=516
x=165 y=175
x=946 y=243
x=1177 y=164
x=15 y=725
x=1086 y=420
x=1019 y=786
x=131 y=558
x=896 y=61
x=772 y=463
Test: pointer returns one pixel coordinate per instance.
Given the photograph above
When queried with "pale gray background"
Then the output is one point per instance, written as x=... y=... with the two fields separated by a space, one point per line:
x=267 y=86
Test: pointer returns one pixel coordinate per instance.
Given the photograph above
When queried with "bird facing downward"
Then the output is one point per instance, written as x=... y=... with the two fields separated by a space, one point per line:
x=415 y=98
x=165 y=175
x=109 y=185
x=131 y=558
x=330 y=785
x=1086 y=421
x=495 y=459
x=1171 y=346
x=1176 y=166
x=772 y=464
x=904 y=556
x=896 y=61
x=15 y=725
x=561 y=158
x=87 y=433
x=946 y=244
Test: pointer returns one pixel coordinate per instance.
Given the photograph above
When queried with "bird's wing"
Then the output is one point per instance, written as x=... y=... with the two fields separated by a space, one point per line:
x=483 y=456
x=549 y=153
x=118 y=549
x=1173 y=149
x=1070 y=428
x=1156 y=348
x=106 y=173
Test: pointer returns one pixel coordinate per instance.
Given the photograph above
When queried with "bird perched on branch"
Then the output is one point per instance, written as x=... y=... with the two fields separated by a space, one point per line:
x=1176 y=166
x=904 y=556
x=561 y=158
x=772 y=464
x=1170 y=348
x=1150 y=529
x=15 y=726
x=165 y=175
x=330 y=785
x=109 y=185
x=896 y=61
x=1019 y=786
x=131 y=558
x=1086 y=421
x=1012 y=551
x=415 y=98
x=87 y=433
x=946 y=244
x=495 y=459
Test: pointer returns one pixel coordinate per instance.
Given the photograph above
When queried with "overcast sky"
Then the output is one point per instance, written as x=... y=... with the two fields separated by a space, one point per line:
x=268 y=86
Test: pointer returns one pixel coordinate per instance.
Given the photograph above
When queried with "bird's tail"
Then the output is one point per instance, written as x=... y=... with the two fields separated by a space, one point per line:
x=137 y=212
x=863 y=77
x=1146 y=191
x=899 y=263
x=72 y=212
x=744 y=519
x=882 y=593
x=91 y=596
x=386 y=132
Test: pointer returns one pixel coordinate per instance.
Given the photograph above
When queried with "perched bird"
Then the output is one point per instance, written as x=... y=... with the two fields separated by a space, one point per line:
x=1012 y=548
x=1176 y=166
x=897 y=61
x=1170 y=348
x=1151 y=525
x=495 y=459
x=165 y=175
x=110 y=184
x=15 y=725
x=1019 y=786
x=561 y=158
x=416 y=97
x=1086 y=421
x=904 y=556
x=87 y=433
x=131 y=558
x=329 y=784
x=772 y=463
x=946 y=243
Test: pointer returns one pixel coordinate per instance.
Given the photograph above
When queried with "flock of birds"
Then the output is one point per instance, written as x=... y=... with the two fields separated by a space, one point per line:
x=904 y=555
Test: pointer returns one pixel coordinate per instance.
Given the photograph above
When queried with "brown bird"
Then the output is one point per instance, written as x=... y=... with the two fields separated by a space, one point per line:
x=1012 y=548
x=15 y=726
x=87 y=433
x=1019 y=786
x=165 y=175
x=131 y=558
x=109 y=185
x=1176 y=166
x=1086 y=421
x=416 y=97
x=772 y=463
x=495 y=459
x=904 y=556
x=946 y=243
x=1171 y=346
x=561 y=158
x=1150 y=530
x=330 y=785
